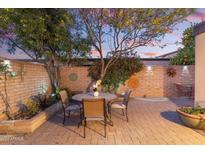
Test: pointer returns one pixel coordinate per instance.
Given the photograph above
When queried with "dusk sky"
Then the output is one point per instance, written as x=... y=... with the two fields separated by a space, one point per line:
x=144 y=52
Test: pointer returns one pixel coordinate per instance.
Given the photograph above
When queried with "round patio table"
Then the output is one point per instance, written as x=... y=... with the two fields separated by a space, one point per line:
x=106 y=96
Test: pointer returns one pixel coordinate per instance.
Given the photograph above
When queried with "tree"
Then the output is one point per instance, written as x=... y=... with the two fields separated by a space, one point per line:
x=117 y=73
x=119 y=32
x=4 y=72
x=48 y=36
x=186 y=55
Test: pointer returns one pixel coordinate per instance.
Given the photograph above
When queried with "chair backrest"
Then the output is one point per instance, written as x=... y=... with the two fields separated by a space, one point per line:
x=64 y=97
x=94 y=107
x=126 y=97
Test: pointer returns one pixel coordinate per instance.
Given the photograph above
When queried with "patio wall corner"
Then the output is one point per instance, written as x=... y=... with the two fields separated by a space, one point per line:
x=199 y=33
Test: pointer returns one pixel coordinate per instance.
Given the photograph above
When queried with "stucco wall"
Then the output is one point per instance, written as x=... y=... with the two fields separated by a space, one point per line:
x=200 y=69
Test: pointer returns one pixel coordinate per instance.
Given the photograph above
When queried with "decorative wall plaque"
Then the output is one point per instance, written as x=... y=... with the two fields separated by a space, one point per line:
x=73 y=77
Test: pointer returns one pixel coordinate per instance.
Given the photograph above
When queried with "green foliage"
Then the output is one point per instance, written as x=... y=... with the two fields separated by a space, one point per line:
x=50 y=36
x=196 y=110
x=29 y=109
x=45 y=100
x=171 y=72
x=43 y=32
x=4 y=69
x=117 y=73
x=122 y=31
x=32 y=107
x=186 y=55
x=4 y=72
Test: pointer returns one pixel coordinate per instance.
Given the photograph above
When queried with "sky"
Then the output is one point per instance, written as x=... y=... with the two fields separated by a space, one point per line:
x=173 y=37
x=144 y=52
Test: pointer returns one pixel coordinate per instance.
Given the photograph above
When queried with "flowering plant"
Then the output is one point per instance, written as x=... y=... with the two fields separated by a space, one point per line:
x=171 y=72
x=96 y=85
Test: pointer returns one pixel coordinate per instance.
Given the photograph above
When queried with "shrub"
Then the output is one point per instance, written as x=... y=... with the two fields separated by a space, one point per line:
x=28 y=109
x=46 y=100
x=193 y=110
x=171 y=72
x=32 y=107
x=117 y=74
x=186 y=55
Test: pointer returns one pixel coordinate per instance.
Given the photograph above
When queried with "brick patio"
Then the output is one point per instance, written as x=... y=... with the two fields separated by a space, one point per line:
x=150 y=123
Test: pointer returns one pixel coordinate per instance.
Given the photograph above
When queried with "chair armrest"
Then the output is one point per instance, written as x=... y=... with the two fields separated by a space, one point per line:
x=119 y=99
x=119 y=95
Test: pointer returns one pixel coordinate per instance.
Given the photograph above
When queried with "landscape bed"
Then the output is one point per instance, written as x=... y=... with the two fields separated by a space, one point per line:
x=30 y=125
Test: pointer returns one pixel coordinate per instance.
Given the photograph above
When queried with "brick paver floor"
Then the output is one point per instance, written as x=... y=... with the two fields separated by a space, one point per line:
x=149 y=123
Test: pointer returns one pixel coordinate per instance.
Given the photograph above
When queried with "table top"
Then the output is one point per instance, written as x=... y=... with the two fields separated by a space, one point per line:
x=107 y=96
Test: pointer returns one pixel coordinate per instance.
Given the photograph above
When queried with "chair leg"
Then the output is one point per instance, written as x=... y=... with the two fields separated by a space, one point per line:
x=64 y=116
x=105 y=123
x=68 y=114
x=123 y=112
x=80 y=123
x=84 y=127
x=110 y=112
x=126 y=115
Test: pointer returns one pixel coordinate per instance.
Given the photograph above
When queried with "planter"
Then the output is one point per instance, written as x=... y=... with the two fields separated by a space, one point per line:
x=30 y=125
x=193 y=121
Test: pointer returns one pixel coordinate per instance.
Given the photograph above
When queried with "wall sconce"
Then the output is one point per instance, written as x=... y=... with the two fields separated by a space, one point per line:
x=149 y=71
x=185 y=68
x=149 y=68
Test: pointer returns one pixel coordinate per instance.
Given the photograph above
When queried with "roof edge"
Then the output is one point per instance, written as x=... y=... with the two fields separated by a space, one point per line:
x=199 y=28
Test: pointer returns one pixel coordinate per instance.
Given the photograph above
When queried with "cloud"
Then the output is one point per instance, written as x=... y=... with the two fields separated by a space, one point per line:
x=95 y=53
x=196 y=16
x=150 y=54
x=18 y=54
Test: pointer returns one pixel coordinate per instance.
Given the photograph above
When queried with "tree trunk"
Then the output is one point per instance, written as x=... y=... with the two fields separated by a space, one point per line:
x=4 y=97
x=52 y=69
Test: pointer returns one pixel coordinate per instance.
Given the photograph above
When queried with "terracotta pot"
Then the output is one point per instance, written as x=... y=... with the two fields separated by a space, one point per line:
x=193 y=121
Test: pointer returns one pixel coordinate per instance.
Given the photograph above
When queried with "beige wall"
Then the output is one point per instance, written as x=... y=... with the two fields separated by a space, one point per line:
x=34 y=80
x=200 y=70
x=150 y=83
x=82 y=81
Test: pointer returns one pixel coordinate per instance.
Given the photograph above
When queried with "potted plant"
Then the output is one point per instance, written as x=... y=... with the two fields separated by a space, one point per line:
x=193 y=117
x=95 y=88
x=171 y=72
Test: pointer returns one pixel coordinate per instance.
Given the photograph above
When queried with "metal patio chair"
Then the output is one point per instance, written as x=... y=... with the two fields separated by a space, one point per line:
x=69 y=106
x=120 y=103
x=94 y=110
